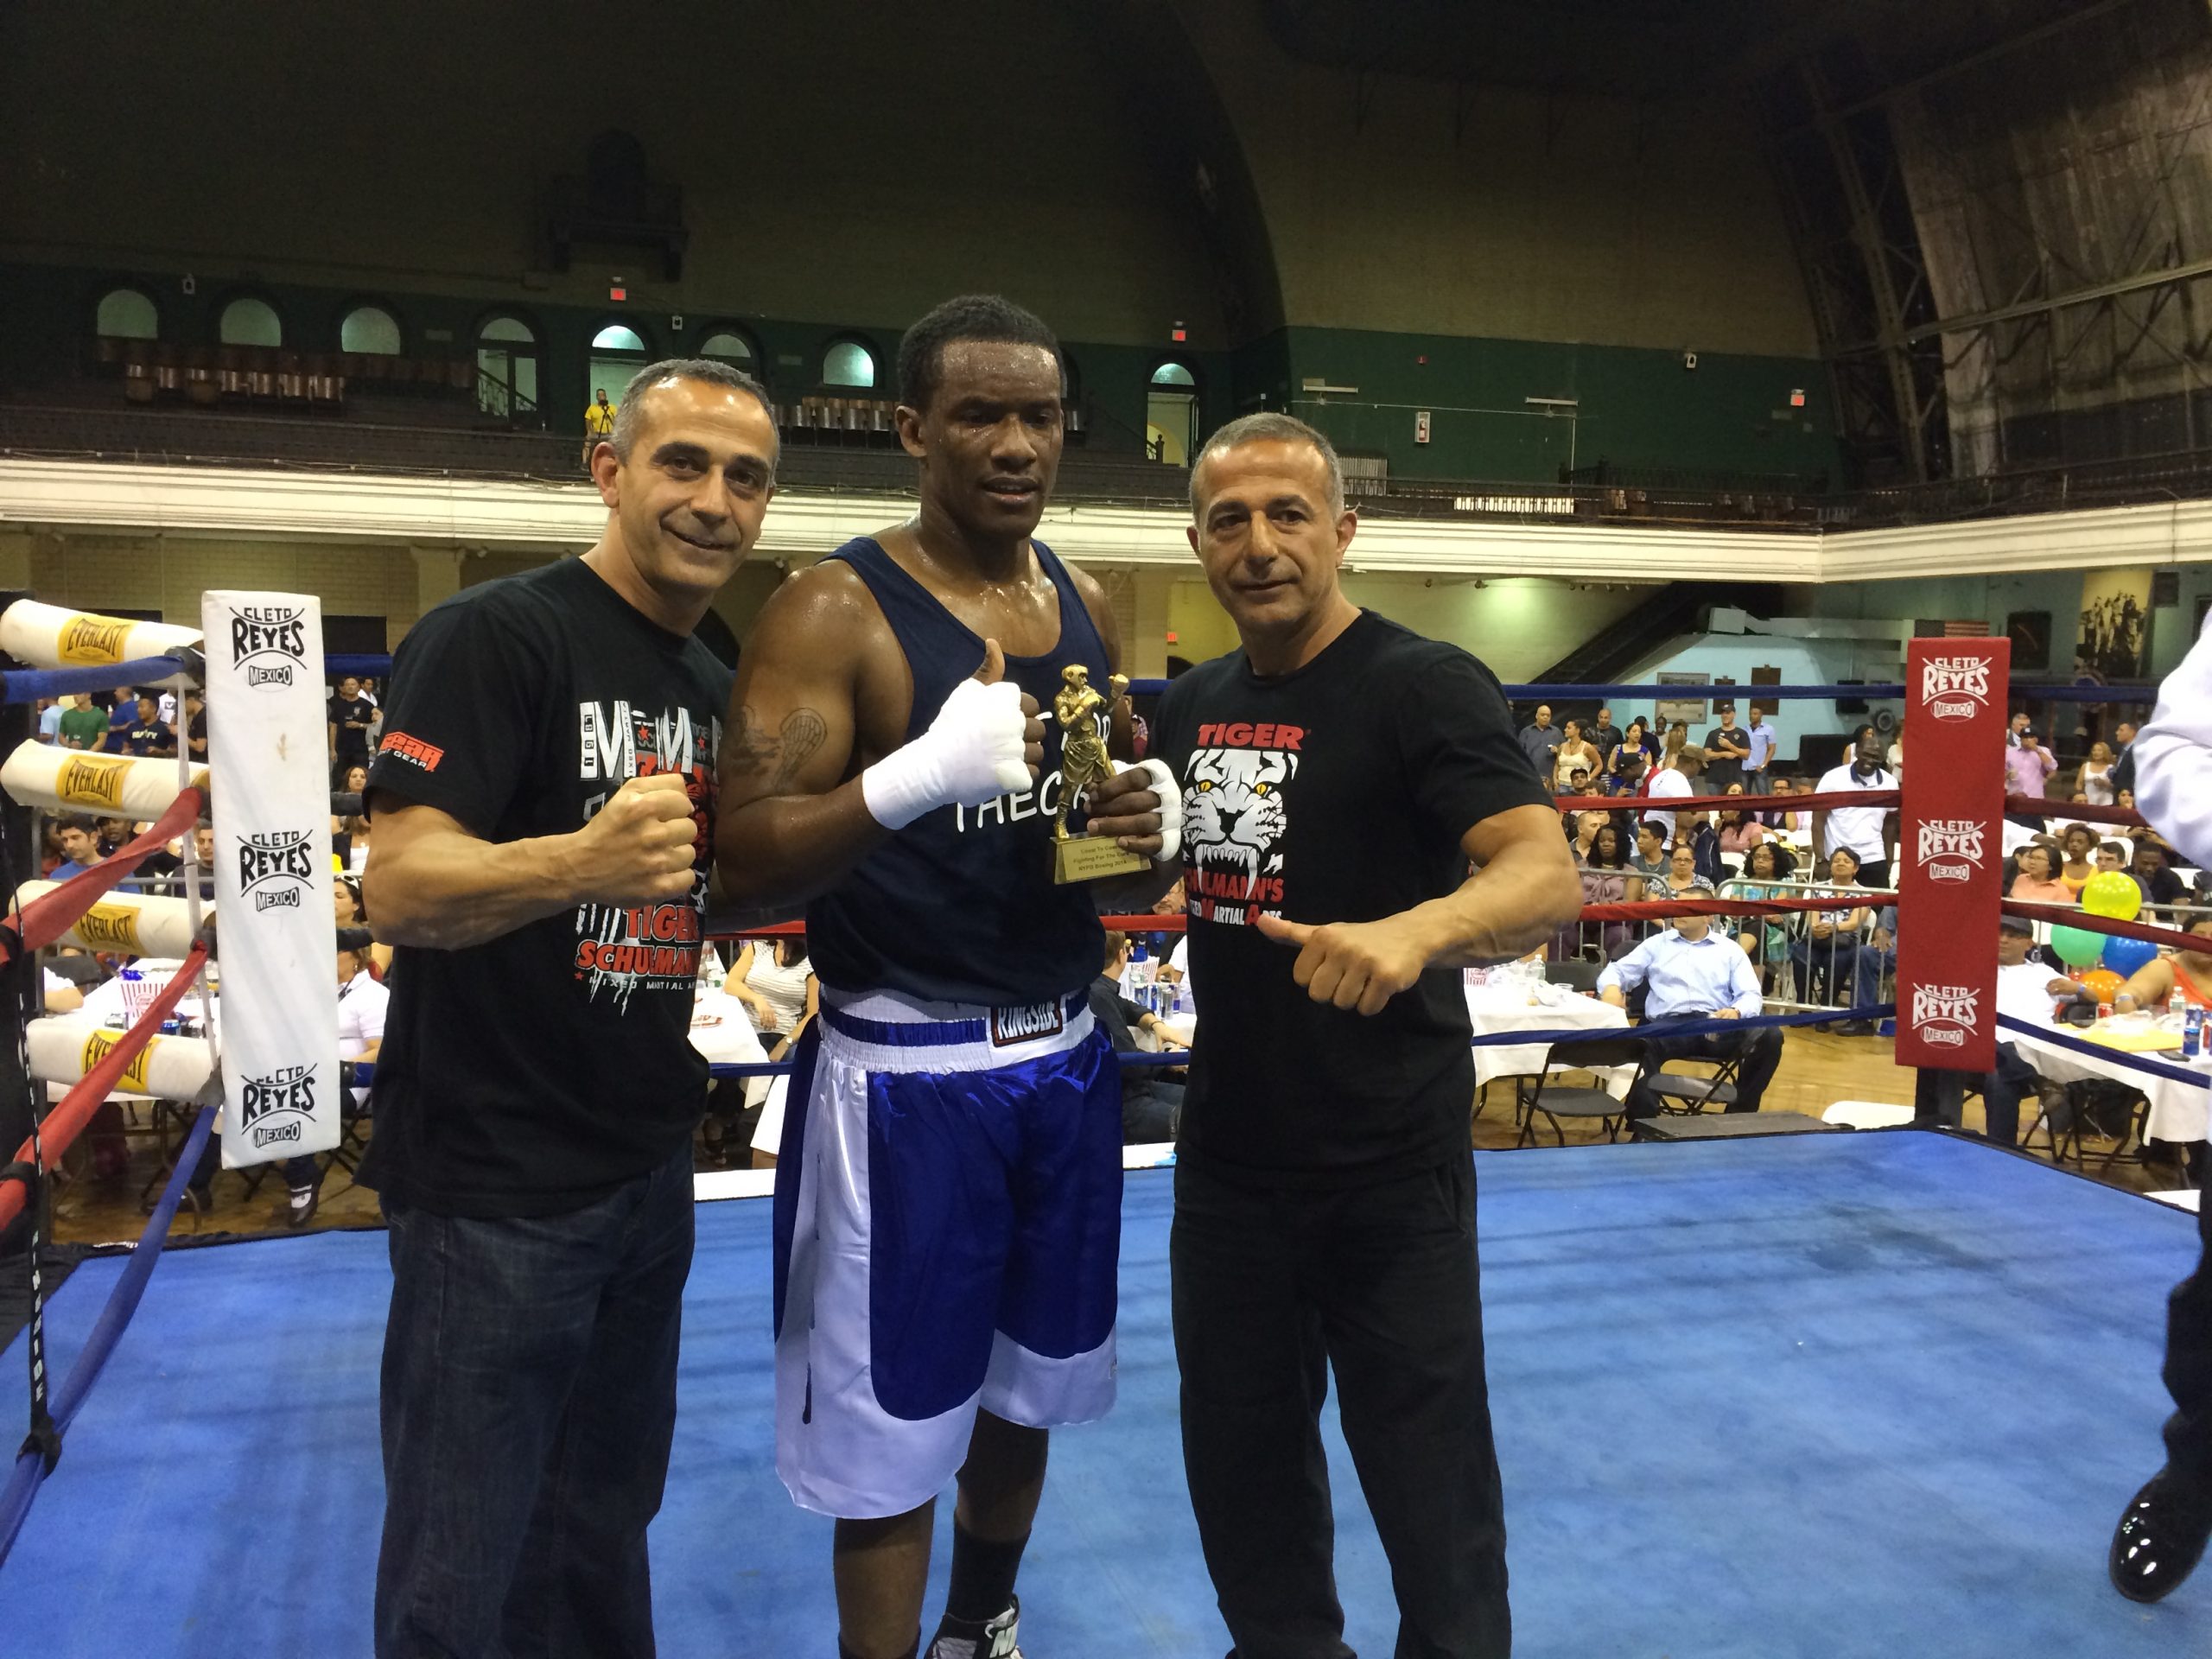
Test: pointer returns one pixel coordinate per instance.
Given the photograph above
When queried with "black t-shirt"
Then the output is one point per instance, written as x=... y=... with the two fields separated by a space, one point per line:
x=1720 y=770
x=535 y=1072
x=1336 y=793
x=148 y=737
x=351 y=740
x=195 y=735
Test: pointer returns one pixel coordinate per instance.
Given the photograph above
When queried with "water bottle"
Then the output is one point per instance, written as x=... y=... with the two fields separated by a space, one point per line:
x=2177 y=1005
x=2192 y=1034
x=1139 y=971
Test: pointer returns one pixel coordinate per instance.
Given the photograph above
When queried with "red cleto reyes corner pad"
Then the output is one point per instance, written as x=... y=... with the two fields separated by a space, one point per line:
x=1950 y=850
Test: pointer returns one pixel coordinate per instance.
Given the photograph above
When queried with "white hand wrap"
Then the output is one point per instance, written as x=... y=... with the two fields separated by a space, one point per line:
x=971 y=752
x=1170 y=808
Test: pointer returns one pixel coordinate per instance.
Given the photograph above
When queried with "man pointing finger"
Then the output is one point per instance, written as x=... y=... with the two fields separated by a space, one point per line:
x=1338 y=774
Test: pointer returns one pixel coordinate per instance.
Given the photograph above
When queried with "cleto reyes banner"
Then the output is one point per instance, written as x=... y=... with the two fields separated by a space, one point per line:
x=267 y=748
x=1950 y=877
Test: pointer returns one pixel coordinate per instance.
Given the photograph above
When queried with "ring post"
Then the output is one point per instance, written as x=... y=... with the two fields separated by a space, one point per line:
x=1948 y=847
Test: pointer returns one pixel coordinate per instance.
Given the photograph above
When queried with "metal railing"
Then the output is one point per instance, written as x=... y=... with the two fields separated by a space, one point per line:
x=1798 y=970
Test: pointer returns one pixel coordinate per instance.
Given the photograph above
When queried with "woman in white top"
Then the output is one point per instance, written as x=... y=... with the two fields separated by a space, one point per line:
x=774 y=979
x=776 y=982
x=1575 y=750
x=2095 y=780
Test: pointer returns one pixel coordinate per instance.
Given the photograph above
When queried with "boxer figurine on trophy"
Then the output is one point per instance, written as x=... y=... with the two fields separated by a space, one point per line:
x=1085 y=718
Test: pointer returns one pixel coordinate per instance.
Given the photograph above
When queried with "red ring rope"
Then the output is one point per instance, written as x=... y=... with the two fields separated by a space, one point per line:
x=68 y=1119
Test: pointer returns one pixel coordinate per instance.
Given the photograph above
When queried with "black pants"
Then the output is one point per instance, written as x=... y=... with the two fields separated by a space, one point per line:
x=1761 y=1049
x=1272 y=1287
x=2189 y=1364
x=1939 y=1097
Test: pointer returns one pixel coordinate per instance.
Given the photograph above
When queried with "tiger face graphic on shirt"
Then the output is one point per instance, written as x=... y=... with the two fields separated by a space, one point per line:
x=1236 y=816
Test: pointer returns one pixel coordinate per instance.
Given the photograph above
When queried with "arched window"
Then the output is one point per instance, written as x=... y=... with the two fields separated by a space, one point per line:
x=728 y=345
x=371 y=330
x=848 y=363
x=250 y=321
x=618 y=352
x=125 y=313
x=506 y=369
x=1171 y=414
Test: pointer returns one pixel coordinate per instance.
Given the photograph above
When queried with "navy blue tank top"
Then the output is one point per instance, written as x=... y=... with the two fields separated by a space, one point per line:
x=960 y=906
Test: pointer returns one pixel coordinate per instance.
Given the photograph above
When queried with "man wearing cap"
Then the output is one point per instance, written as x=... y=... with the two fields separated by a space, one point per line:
x=1689 y=972
x=1727 y=749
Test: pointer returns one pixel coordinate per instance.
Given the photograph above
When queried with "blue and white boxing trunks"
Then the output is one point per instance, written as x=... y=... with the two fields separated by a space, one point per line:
x=948 y=1223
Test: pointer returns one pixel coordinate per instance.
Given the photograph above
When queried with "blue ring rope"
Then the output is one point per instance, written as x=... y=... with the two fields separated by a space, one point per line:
x=122 y=1302
x=29 y=685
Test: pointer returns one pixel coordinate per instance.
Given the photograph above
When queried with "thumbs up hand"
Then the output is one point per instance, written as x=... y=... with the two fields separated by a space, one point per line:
x=987 y=740
x=1350 y=965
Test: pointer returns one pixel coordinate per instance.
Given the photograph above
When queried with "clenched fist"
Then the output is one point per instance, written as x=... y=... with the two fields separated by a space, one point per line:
x=640 y=847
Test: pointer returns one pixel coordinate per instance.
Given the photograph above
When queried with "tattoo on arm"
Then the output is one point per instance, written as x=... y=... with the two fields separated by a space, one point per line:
x=749 y=749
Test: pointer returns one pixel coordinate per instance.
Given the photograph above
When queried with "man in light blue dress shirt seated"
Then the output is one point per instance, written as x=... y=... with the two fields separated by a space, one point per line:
x=1690 y=972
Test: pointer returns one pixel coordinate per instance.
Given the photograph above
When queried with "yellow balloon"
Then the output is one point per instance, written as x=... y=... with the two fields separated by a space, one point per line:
x=2113 y=894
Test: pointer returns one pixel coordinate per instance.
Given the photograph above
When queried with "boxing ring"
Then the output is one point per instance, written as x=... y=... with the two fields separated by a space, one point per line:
x=1833 y=1393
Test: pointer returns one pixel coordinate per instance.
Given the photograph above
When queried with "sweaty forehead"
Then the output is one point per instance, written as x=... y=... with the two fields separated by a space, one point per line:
x=999 y=370
x=721 y=420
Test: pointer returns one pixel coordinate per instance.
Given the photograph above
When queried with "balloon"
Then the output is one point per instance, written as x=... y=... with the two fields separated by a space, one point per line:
x=2102 y=983
x=2126 y=956
x=2076 y=947
x=2113 y=894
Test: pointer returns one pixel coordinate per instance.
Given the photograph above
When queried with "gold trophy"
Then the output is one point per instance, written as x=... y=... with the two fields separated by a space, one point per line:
x=1085 y=718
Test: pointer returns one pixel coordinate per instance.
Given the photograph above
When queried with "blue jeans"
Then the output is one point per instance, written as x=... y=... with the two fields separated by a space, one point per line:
x=1835 y=959
x=1867 y=971
x=528 y=1401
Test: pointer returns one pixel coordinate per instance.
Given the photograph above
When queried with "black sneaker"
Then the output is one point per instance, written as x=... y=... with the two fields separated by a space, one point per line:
x=2159 y=1539
x=306 y=1200
x=957 y=1639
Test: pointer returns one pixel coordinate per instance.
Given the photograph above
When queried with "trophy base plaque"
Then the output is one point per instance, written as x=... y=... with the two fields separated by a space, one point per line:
x=1093 y=858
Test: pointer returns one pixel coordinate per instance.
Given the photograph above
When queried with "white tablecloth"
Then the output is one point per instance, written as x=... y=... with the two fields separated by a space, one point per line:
x=2177 y=1108
x=1493 y=1008
x=722 y=1030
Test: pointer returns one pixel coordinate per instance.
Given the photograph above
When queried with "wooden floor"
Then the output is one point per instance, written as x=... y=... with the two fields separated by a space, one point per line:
x=1817 y=1070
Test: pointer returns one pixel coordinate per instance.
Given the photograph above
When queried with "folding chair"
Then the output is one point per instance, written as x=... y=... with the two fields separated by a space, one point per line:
x=1559 y=1100
x=1684 y=1094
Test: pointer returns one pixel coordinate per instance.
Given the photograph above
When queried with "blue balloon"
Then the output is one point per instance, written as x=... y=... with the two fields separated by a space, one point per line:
x=2124 y=957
